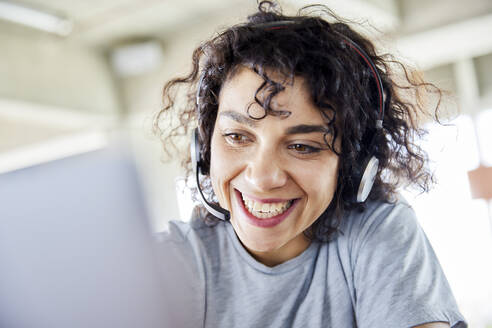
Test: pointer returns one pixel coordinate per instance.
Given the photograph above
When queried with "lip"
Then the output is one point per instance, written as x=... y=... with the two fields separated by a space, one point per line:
x=265 y=223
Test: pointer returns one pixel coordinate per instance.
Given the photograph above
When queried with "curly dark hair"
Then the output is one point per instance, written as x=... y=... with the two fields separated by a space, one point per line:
x=341 y=85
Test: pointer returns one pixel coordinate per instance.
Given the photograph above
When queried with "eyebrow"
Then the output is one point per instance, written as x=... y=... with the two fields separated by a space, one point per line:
x=306 y=128
x=296 y=129
x=240 y=118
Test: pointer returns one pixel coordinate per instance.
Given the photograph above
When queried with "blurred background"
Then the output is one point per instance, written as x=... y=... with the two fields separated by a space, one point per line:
x=72 y=72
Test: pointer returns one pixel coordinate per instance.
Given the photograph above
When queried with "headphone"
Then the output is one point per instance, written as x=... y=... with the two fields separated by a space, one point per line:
x=197 y=163
x=364 y=177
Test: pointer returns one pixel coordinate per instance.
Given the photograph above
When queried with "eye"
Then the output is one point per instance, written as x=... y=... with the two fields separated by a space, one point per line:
x=235 y=138
x=304 y=149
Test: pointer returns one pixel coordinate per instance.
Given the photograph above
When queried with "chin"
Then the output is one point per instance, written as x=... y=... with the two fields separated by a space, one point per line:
x=258 y=240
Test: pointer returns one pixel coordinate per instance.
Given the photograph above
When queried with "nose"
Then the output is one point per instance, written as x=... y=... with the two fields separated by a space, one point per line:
x=265 y=171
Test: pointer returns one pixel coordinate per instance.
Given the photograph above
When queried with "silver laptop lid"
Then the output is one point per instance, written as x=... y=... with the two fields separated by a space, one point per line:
x=75 y=246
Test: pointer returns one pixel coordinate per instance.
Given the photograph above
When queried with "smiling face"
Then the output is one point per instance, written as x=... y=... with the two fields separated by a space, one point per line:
x=275 y=175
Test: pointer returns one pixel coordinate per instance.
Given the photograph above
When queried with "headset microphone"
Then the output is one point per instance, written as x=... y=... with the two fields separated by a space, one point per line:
x=215 y=210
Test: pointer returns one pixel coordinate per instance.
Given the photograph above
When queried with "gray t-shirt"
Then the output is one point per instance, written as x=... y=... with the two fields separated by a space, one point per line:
x=380 y=271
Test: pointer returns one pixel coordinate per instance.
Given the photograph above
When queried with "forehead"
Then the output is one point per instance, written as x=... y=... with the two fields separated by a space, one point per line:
x=238 y=93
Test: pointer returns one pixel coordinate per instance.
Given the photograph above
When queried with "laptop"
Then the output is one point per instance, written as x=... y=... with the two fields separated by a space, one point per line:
x=76 y=248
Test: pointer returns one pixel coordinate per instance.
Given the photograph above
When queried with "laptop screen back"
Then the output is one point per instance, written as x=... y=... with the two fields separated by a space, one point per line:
x=75 y=246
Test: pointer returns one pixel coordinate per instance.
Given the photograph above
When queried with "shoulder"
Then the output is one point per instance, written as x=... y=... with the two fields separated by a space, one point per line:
x=194 y=236
x=380 y=218
x=396 y=275
x=180 y=255
x=383 y=228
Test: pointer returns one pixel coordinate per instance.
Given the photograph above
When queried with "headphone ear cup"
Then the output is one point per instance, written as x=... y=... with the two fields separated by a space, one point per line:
x=196 y=154
x=195 y=151
x=366 y=177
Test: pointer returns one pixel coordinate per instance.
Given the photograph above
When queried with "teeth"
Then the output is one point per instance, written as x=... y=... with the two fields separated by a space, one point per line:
x=265 y=210
x=265 y=207
x=276 y=207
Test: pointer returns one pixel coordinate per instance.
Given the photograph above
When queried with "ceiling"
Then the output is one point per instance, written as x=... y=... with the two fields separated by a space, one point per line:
x=105 y=22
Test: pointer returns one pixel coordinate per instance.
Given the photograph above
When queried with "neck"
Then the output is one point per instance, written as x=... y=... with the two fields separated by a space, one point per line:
x=283 y=254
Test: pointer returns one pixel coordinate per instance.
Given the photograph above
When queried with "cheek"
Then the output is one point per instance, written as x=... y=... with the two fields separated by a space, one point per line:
x=321 y=186
x=222 y=171
x=216 y=166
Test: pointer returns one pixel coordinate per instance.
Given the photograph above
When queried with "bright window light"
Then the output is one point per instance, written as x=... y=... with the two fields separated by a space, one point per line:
x=457 y=226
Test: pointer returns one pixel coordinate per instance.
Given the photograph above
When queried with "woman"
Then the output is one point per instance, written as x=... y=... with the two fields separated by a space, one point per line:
x=304 y=134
